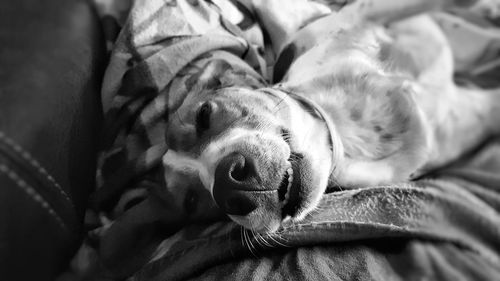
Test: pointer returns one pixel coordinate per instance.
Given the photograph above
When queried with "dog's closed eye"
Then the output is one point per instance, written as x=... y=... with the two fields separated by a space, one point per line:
x=203 y=118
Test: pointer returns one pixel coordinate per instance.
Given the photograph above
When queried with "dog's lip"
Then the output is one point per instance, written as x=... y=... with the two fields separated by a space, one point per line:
x=292 y=197
x=289 y=189
x=284 y=187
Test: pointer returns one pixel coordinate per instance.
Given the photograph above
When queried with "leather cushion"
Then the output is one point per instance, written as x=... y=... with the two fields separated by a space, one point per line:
x=51 y=57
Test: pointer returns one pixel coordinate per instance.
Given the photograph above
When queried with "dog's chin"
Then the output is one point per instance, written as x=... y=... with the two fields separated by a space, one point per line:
x=268 y=222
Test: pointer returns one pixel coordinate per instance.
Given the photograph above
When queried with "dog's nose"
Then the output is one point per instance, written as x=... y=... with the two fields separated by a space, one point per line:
x=234 y=179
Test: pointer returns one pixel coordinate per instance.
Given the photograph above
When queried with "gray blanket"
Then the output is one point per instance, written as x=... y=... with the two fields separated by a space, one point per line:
x=445 y=228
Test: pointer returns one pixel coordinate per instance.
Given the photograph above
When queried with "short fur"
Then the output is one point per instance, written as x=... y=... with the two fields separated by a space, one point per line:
x=392 y=108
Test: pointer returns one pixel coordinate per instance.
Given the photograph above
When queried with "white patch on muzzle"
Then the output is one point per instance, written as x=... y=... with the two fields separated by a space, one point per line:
x=205 y=164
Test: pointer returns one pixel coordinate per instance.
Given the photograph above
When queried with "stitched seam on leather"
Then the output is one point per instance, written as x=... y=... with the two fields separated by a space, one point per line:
x=27 y=156
x=32 y=193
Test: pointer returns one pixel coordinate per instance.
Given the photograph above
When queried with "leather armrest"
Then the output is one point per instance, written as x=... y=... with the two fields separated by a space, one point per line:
x=52 y=58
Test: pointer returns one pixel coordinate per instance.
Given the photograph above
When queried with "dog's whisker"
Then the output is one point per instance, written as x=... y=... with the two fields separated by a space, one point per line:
x=257 y=239
x=275 y=237
x=242 y=236
x=263 y=240
x=272 y=239
x=251 y=247
x=247 y=241
x=278 y=107
x=336 y=182
x=244 y=239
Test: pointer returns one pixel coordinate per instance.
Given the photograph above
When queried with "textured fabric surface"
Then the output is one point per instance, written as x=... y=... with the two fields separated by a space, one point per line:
x=446 y=228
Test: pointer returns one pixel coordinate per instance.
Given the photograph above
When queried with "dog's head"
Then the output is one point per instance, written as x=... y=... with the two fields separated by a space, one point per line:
x=261 y=163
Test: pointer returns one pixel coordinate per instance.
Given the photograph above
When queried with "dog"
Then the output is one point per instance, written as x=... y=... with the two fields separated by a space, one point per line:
x=367 y=99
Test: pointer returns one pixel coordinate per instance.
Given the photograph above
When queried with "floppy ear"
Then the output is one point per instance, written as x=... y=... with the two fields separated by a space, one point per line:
x=384 y=139
x=131 y=240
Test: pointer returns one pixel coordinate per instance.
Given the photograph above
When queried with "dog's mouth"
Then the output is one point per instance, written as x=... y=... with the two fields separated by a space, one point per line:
x=289 y=189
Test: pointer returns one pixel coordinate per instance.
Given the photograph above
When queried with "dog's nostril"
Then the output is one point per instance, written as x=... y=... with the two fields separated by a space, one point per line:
x=236 y=169
x=234 y=183
x=241 y=170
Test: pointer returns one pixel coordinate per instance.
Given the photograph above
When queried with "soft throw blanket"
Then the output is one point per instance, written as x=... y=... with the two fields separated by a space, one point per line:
x=445 y=228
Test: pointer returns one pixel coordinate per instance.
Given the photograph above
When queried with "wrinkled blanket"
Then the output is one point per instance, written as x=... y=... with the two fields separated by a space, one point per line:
x=445 y=227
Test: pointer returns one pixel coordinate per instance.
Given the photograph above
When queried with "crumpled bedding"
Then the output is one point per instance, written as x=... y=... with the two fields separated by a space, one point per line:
x=443 y=227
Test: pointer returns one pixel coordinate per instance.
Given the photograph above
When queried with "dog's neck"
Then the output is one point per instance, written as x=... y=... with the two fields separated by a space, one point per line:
x=308 y=119
x=329 y=91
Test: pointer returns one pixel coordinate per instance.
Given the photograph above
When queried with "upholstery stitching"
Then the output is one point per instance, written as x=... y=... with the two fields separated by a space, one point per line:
x=32 y=193
x=27 y=156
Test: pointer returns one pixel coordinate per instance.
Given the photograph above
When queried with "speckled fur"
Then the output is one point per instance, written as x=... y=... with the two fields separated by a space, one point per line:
x=389 y=92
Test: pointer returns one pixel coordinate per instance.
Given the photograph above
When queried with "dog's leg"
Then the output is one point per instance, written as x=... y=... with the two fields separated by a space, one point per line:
x=459 y=118
x=282 y=18
x=469 y=117
x=386 y=11
x=454 y=119
x=291 y=43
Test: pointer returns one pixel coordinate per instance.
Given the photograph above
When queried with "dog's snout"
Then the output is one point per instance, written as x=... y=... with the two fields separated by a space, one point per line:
x=235 y=176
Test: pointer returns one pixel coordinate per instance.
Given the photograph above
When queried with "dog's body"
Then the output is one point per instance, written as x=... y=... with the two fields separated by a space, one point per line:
x=360 y=105
x=391 y=96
